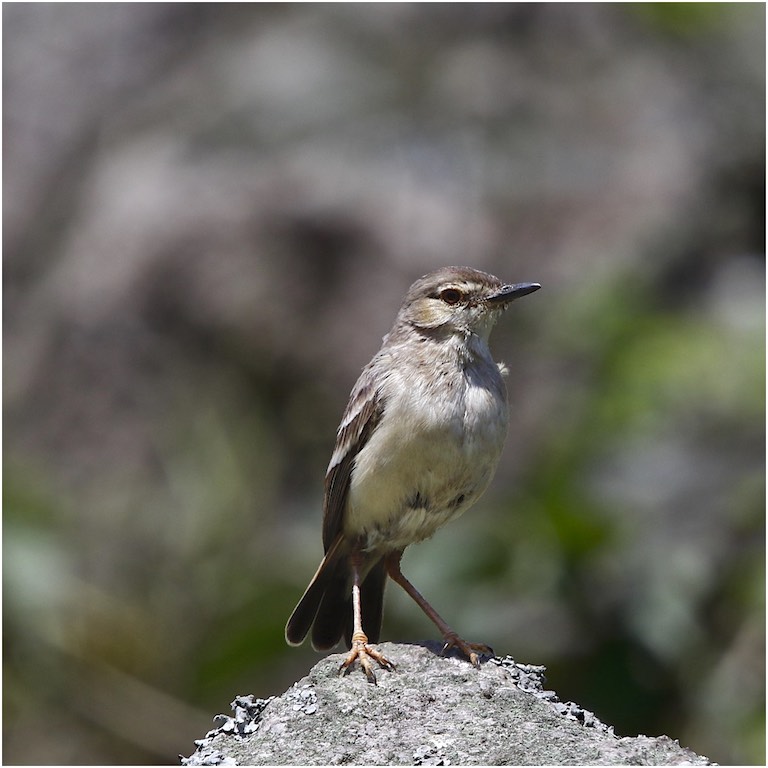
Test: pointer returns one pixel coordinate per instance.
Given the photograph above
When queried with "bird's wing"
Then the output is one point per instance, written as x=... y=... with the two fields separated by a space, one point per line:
x=363 y=413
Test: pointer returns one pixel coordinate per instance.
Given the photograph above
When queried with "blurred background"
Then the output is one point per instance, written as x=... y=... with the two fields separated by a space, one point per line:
x=211 y=214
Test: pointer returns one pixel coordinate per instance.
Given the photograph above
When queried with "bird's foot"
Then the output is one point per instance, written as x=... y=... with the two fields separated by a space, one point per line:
x=364 y=653
x=472 y=651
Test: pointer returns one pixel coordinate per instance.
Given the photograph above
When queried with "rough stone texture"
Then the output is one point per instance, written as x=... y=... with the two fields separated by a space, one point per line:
x=432 y=710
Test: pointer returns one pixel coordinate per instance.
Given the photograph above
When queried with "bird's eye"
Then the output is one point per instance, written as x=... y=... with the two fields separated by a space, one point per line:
x=451 y=295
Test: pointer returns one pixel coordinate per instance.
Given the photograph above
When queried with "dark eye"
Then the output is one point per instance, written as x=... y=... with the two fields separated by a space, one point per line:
x=451 y=295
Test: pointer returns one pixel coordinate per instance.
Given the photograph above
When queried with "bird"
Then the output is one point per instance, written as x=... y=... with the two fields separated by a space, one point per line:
x=417 y=445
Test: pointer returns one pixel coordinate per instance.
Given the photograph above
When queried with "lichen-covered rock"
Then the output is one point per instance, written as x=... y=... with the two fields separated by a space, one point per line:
x=431 y=710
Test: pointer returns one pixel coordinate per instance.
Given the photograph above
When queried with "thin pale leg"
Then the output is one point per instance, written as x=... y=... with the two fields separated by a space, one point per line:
x=360 y=649
x=452 y=640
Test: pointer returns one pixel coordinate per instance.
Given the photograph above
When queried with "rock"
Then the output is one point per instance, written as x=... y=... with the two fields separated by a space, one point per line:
x=431 y=710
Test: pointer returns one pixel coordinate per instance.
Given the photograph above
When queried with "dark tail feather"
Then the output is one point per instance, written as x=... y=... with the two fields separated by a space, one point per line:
x=371 y=604
x=335 y=618
x=335 y=606
x=304 y=613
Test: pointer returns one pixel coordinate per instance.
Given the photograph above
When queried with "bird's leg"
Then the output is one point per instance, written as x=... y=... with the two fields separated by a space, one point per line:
x=360 y=649
x=471 y=650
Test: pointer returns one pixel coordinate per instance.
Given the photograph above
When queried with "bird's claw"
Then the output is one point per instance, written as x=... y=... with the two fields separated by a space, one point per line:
x=472 y=651
x=363 y=653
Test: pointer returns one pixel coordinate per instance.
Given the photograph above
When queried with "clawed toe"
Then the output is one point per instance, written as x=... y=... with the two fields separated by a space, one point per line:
x=472 y=651
x=364 y=653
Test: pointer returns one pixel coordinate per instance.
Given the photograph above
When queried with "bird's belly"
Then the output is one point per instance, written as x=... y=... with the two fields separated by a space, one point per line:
x=416 y=474
x=408 y=527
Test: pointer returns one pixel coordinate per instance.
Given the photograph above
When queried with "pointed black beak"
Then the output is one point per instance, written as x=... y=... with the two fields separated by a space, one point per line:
x=508 y=293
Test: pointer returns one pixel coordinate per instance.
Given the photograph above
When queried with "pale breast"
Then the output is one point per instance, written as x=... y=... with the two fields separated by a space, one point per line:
x=431 y=456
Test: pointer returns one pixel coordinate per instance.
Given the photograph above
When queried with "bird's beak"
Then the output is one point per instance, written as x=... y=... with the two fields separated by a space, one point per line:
x=508 y=293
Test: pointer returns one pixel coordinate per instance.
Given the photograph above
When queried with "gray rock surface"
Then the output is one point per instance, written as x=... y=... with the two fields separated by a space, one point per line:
x=431 y=710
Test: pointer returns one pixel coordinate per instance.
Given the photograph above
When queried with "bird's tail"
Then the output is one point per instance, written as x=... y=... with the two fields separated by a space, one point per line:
x=326 y=605
x=304 y=613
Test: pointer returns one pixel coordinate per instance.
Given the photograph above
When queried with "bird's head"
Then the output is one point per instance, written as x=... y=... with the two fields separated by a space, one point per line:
x=460 y=300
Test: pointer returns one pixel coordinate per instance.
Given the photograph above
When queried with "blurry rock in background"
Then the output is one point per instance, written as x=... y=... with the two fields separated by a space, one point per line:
x=211 y=215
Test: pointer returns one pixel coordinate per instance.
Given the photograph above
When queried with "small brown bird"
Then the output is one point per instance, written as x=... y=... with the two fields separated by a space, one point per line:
x=417 y=445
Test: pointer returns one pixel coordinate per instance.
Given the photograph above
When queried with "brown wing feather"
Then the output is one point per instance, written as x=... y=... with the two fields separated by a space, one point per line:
x=360 y=418
x=326 y=603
